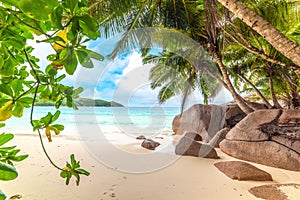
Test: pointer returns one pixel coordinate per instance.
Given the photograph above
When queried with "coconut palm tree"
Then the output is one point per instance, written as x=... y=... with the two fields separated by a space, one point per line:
x=277 y=39
x=174 y=75
x=248 y=52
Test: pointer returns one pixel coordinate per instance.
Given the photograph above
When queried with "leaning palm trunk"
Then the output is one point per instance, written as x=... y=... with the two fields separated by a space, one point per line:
x=238 y=99
x=279 y=41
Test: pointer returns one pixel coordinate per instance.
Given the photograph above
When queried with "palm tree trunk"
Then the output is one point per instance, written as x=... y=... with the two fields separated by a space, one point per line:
x=274 y=98
x=257 y=91
x=279 y=41
x=238 y=99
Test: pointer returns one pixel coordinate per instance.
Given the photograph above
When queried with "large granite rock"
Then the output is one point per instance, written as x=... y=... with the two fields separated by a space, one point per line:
x=243 y=171
x=276 y=191
x=207 y=120
x=189 y=147
x=269 y=137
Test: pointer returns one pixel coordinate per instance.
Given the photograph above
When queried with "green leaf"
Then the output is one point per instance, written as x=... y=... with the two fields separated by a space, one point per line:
x=71 y=63
x=58 y=127
x=2 y=125
x=8 y=68
x=55 y=116
x=47 y=119
x=64 y=174
x=7 y=172
x=18 y=158
x=89 y=27
x=5 y=137
x=6 y=89
x=96 y=55
x=18 y=109
x=84 y=59
x=39 y=10
x=52 y=40
x=82 y=171
x=73 y=5
x=26 y=100
x=56 y=17
x=2 y=195
x=60 y=78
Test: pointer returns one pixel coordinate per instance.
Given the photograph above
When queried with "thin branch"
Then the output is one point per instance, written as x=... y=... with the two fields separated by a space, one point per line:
x=30 y=26
x=32 y=67
x=32 y=109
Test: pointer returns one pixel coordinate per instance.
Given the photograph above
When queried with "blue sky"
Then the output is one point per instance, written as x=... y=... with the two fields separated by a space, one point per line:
x=124 y=79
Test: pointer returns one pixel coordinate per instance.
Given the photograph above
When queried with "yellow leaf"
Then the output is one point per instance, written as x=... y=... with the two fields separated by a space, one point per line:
x=60 y=45
x=55 y=130
x=6 y=111
x=48 y=134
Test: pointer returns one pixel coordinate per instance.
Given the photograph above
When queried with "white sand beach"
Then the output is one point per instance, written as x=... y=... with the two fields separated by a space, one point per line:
x=186 y=178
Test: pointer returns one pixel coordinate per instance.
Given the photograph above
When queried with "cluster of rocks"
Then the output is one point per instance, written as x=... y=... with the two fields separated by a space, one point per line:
x=268 y=136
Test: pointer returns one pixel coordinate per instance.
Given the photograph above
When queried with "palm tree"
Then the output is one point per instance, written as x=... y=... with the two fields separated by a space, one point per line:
x=276 y=38
x=248 y=52
x=174 y=75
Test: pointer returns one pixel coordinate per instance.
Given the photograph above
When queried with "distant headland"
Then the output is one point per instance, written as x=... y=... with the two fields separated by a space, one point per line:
x=85 y=102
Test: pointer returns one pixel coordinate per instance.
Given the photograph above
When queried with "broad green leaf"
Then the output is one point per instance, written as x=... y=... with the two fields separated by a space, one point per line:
x=55 y=116
x=18 y=109
x=7 y=172
x=71 y=63
x=47 y=119
x=39 y=10
x=5 y=137
x=2 y=125
x=13 y=42
x=6 y=89
x=96 y=56
x=26 y=100
x=84 y=59
x=89 y=27
x=17 y=86
x=2 y=195
x=56 y=17
x=77 y=91
x=92 y=54
x=8 y=68
x=59 y=127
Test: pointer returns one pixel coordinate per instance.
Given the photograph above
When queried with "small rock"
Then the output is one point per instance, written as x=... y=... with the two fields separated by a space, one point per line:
x=276 y=191
x=243 y=171
x=187 y=146
x=141 y=137
x=150 y=144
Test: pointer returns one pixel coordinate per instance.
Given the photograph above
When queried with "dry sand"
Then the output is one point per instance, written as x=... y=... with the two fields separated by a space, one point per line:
x=187 y=178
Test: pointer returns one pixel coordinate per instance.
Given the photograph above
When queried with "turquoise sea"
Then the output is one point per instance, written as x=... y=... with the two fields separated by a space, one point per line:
x=130 y=120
